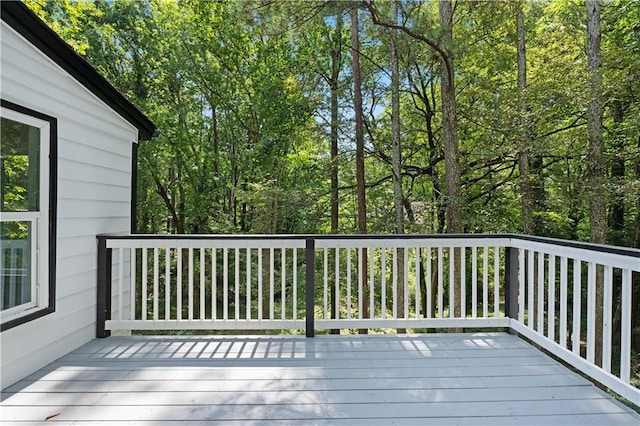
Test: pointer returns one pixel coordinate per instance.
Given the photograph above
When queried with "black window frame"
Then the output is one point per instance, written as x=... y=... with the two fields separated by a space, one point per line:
x=52 y=216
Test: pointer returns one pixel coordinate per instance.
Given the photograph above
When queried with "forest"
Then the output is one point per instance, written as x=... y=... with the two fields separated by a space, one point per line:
x=377 y=117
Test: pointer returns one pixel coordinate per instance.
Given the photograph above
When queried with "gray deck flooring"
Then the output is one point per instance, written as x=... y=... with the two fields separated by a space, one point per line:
x=439 y=379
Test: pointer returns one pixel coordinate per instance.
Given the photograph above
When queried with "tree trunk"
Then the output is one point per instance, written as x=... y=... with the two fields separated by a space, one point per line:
x=449 y=134
x=396 y=161
x=360 y=182
x=526 y=194
x=616 y=218
x=595 y=154
x=336 y=53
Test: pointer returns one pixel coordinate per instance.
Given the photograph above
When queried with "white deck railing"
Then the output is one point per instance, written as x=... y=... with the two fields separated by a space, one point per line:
x=541 y=288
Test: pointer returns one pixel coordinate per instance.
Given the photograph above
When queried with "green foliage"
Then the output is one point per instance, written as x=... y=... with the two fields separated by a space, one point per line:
x=241 y=95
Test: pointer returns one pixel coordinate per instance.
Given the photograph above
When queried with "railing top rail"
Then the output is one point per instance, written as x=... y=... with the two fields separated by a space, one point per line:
x=512 y=240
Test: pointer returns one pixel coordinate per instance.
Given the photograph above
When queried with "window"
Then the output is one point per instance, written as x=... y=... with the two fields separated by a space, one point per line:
x=27 y=214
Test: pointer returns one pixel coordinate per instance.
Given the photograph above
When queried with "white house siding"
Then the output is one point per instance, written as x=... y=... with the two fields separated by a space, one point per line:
x=94 y=196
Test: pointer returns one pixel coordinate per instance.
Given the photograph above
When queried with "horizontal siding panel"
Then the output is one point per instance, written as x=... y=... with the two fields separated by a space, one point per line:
x=78 y=227
x=70 y=189
x=84 y=208
x=72 y=170
x=73 y=151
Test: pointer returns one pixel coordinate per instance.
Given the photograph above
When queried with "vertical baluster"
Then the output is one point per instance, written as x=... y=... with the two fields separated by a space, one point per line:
x=237 y=285
x=259 y=272
x=225 y=283
x=551 y=282
x=591 y=312
x=452 y=285
x=405 y=284
x=120 y=282
x=372 y=292
x=283 y=273
x=295 y=283
x=133 y=284
x=179 y=283
x=440 y=284
x=202 y=286
x=577 y=289
x=540 y=315
x=530 y=290
x=496 y=282
x=521 y=286
x=463 y=282
x=144 y=283
x=325 y=295
x=167 y=283
x=563 y=302
x=360 y=276
x=485 y=282
x=156 y=283
x=625 y=325
x=429 y=279
x=214 y=283
x=606 y=319
x=272 y=264
x=248 y=273
x=348 y=283
x=474 y=282
x=418 y=280
x=394 y=281
x=383 y=283
x=336 y=303
x=190 y=283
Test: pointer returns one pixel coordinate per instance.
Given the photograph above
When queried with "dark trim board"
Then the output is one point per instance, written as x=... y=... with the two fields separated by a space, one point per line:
x=53 y=206
x=27 y=24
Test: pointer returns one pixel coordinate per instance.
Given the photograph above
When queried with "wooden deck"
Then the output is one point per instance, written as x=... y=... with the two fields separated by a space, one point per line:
x=440 y=379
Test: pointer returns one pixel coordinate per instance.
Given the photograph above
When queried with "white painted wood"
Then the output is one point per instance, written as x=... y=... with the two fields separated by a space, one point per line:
x=625 y=326
x=156 y=283
x=413 y=379
x=474 y=282
x=463 y=281
x=195 y=324
x=612 y=259
x=214 y=283
x=325 y=294
x=521 y=284
x=225 y=284
x=383 y=283
x=248 y=284
x=564 y=302
x=202 y=264
x=551 y=304
x=120 y=283
x=209 y=241
x=485 y=282
x=283 y=285
x=440 y=286
x=190 y=290
x=272 y=268
x=360 y=278
x=295 y=283
x=591 y=312
x=452 y=286
x=530 y=287
x=577 y=289
x=394 y=282
x=606 y=319
x=348 y=283
x=405 y=286
x=429 y=278
x=496 y=281
x=586 y=366
x=179 y=284
x=167 y=283
x=412 y=323
x=145 y=284
x=336 y=277
x=540 y=307
x=372 y=288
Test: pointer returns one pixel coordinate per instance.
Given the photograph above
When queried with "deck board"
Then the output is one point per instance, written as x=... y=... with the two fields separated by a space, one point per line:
x=483 y=378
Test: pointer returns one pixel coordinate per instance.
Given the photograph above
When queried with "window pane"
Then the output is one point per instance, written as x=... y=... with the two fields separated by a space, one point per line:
x=20 y=164
x=15 y=264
